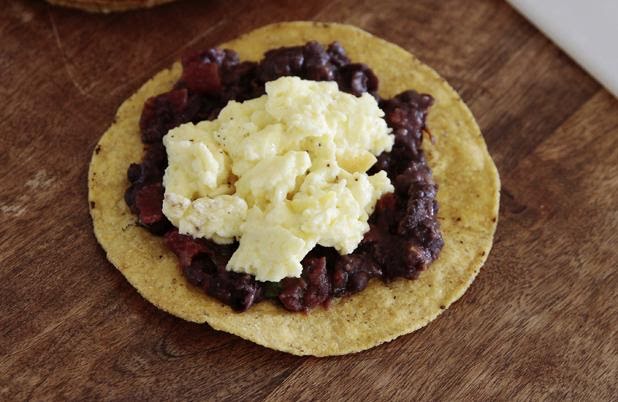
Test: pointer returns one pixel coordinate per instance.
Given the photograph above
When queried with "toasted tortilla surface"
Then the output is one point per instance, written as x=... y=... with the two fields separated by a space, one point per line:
x=468 y=196
x=106 y=6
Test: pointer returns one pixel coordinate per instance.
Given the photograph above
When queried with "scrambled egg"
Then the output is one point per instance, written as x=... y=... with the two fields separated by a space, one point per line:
x=280 y=174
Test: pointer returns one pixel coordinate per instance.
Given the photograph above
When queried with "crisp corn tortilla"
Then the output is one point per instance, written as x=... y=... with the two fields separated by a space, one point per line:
x=106 y=6
x=468 y=195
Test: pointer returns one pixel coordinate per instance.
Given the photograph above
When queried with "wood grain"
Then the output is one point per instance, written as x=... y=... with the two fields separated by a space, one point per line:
x=539 y=322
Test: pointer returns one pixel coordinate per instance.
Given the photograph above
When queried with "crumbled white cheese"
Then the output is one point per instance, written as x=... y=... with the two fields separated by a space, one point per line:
x=280 y=174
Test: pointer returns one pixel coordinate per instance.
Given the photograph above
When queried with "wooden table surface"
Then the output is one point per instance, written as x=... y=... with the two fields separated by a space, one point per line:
x=540 y=321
